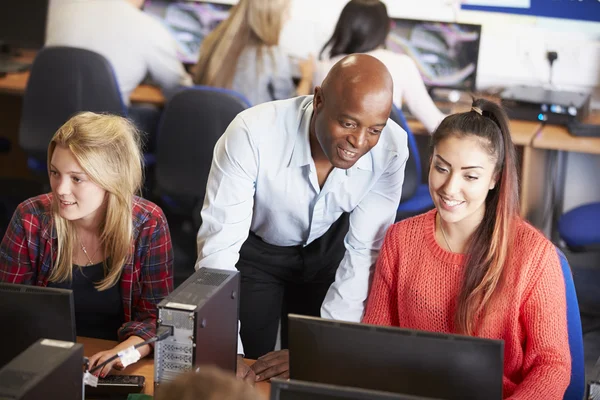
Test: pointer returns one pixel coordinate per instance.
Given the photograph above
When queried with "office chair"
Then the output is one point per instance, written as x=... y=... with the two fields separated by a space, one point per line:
x=192 y=122
x=415 y=195
x=576 y=389
x=579 y=227
x=64 y=81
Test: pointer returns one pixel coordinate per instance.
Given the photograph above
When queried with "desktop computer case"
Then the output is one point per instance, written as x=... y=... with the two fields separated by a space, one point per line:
x=48 y=369
x=203 y=312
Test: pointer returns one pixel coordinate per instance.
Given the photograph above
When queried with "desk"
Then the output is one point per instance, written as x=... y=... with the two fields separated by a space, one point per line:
x=550 y=147
x=145 y=366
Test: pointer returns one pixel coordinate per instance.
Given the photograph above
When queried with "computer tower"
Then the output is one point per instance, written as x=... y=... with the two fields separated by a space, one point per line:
x=48 y=369
x=203 y=312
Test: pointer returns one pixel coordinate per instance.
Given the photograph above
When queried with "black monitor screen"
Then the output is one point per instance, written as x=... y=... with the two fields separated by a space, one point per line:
x=446 y=53
x=23 y=24
x=189 y=22
x=29 y=313
x=451 y=367
x=299 y=390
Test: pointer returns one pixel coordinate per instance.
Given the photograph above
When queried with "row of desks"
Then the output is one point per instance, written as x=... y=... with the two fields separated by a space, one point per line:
x=536 y=139
x=145 y=366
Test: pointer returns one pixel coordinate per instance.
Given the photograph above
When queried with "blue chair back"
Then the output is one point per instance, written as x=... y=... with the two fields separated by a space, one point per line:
x=64 y=81
x=576 y=388
x=192 y=122
x=579 y=227
x=415 y=195
x=412 y=170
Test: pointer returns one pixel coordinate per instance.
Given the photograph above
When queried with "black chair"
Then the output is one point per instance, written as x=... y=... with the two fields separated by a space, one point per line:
x=415 y=195
x=192 y=122
x=64 y=81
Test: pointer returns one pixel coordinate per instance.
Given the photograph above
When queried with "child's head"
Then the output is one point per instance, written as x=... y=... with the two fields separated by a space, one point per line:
x=208 y=383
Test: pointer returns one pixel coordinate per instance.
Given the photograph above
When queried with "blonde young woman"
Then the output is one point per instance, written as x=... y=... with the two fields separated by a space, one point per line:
x=242 y=54
x=93 y=235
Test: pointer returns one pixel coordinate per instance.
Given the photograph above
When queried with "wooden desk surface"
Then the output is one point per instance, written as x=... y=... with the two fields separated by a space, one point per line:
x=15 y=83
x=557 y=137
x=145 y=366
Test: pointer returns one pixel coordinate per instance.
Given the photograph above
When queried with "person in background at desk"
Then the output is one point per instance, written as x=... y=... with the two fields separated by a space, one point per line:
x=472 y=265
x=363 y=27
x=208 y=383
x=94 y=236
x=242 y=54
x=299 y=196
x=136 y=45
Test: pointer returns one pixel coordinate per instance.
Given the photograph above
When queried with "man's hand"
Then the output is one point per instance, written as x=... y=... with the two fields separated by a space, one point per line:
x=243 y=371
x=275 y=364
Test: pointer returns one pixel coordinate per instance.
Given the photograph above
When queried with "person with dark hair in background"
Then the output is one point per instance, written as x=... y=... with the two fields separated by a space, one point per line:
x=472 y=265
x=363 y=27
x=299 y=197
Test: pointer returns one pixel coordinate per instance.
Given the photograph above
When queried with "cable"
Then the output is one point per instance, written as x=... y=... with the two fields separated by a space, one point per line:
x=551 y=56
x=167 y=331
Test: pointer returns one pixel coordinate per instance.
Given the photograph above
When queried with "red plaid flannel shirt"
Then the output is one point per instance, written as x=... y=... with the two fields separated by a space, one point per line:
x=29 y=247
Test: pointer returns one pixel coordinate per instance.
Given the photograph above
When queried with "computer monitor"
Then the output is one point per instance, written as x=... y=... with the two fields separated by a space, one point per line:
x=450 y=367
x=446 y=53
x=29 y=313
x=300 y=390
x=23 y=24
x=48 y=369
x=203 y=312
x=189 y=22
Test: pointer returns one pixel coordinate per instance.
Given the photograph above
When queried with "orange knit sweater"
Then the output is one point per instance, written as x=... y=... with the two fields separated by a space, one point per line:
x=417 y=282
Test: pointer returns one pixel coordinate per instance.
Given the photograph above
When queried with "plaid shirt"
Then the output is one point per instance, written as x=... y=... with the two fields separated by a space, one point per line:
x=29 y=248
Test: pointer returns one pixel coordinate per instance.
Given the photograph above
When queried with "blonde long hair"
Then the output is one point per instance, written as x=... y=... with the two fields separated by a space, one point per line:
x=250 y=23
x=108 y=149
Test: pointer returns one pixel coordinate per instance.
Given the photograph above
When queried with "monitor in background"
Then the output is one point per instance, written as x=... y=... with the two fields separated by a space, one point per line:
x=446 y=53
x=189 y=22
x=451 y=367
x=29 y=313
x=203 y=312
x=23 y=25
x=300 y=390
x=48 y=369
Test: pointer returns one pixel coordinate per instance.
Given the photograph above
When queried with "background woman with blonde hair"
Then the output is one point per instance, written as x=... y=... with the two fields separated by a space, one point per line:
x=93 y=235
x=472 y=265
x=242 y=54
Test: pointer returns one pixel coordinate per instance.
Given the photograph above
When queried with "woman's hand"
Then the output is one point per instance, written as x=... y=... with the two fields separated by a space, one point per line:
x=102 y=356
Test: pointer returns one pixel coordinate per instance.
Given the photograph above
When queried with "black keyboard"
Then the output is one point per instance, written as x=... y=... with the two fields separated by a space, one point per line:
x=577 y=128
x=8 y=65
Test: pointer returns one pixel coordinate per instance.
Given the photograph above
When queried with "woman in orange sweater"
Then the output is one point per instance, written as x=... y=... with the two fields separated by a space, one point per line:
x=472 y=265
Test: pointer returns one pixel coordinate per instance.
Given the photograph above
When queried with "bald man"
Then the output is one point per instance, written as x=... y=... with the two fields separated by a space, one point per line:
x=299 y=197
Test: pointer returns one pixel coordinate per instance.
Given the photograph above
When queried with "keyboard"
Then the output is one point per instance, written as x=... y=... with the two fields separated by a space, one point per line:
x=577 y=128
x=8 y=65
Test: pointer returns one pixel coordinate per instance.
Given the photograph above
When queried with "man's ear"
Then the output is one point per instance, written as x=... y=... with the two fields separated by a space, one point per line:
x=318 y=99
